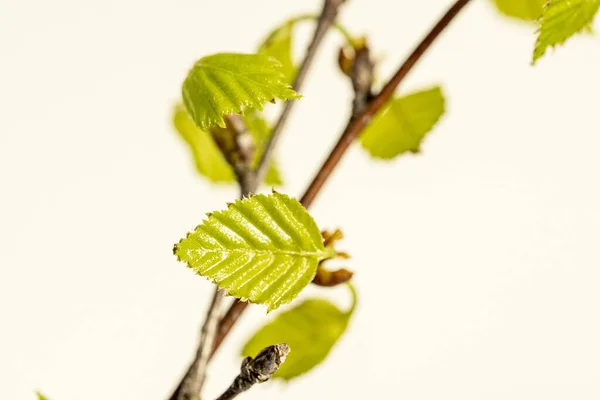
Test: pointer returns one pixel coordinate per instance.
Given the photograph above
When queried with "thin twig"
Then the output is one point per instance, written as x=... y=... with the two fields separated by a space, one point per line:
x=227 y=322
x=193 y=380
x=358 y=123
x=257 y=370
x=240 y=157
x=325 y=21
x=354 y=128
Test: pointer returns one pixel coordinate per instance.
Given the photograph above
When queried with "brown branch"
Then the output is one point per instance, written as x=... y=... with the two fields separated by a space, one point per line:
x=325 y=21
x=193 y=380
x=227 y=322
x=355 y=126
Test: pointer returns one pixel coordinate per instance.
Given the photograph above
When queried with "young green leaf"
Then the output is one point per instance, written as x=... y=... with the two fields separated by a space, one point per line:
x=279 y=45
x=560 y=20
x=264 y=249
x=209 y=160
x=229 y=83
x=403 y=123
x=310 y=329
x=41 y=396
x=529 y=10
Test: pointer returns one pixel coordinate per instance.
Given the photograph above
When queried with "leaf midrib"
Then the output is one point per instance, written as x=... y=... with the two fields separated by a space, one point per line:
x=307 y=254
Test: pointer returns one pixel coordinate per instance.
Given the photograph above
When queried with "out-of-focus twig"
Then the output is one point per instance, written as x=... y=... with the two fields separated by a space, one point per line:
x=326 y=20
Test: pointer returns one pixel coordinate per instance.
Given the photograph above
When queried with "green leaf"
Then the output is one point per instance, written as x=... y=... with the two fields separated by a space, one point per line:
x=279 y=45
x=528 y=10
x=41 y=396
x=310 y=329
x=209 y=160
x=229 y=83
x=264 y=249
x=560 y=20
x=403 y=123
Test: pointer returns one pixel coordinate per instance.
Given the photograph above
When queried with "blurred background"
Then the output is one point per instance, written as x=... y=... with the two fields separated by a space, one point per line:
x=477 y=261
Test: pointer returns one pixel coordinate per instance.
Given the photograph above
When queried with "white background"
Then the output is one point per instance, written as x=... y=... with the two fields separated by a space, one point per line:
x=477 y=261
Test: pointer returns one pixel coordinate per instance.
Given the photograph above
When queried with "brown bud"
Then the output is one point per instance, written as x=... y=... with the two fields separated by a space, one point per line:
x=346 y=59
x=328 y=278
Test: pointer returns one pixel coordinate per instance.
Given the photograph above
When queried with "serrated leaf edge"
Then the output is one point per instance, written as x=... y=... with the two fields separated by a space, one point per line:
x=291 y=94
x=537 y=56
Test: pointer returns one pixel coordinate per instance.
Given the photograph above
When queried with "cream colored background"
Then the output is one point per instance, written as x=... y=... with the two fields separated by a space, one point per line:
x=477 y=262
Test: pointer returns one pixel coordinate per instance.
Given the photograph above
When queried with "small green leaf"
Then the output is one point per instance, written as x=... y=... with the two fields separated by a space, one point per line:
x=403 y=123
x=264 y=249
x=209 y=160
x=279 y=45
x=560 y=20
x=41 y=396
x=229 y=83
x=310 y=329
x=529 y=10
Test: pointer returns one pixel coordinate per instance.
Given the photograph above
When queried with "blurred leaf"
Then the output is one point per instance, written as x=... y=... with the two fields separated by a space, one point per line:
x=210 y=162
x=528 y=10
x=41 y=396
x=264 y=249
x=310 y=329
x=229 y=83
x=560 y=20
x=279 y=45
x=403 y=123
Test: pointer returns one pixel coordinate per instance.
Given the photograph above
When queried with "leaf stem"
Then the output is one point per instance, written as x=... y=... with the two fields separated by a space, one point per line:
x=326 y=19
x=354 y=128
x=312 y=17
x=345 y=33
x=354 y=298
